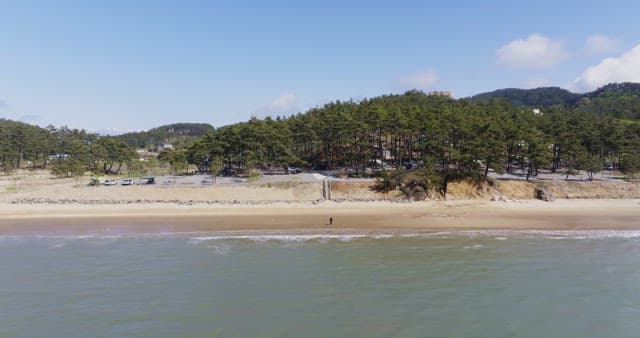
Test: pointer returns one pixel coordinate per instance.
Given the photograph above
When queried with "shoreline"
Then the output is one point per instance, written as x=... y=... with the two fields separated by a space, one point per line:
x=354 y=217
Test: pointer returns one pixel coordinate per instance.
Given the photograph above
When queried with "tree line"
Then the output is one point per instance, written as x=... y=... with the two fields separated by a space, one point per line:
x=428 y=140
x=423 y=131
x=66 y=152
x=440 y=137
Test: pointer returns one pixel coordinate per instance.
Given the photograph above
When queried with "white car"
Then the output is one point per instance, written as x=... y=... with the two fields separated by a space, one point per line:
x=293 y=170
x=110 y=182
x=127 y=181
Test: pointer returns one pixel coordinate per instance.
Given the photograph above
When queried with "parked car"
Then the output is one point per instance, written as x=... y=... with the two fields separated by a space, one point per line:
x=412 y=165
x=148 y=180
x=127 y=181
x=293 y=170
x=110 y=182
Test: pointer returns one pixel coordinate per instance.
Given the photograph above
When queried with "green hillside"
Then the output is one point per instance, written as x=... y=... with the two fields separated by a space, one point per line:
x=546 y=96
x=176 y=134
x=617 y=100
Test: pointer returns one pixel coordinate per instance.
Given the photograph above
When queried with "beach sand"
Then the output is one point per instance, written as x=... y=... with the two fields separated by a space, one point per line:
x=347 y=216
x=35 y=202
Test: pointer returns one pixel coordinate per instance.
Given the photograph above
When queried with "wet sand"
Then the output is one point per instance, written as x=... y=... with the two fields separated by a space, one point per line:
x=347 y=216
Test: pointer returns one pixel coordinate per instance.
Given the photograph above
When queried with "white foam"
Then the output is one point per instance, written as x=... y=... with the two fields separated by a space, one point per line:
x=583 y=234
x=475 y=246
x=342 y=237
x=551 y=234
x=261 y=238
x=198 y=237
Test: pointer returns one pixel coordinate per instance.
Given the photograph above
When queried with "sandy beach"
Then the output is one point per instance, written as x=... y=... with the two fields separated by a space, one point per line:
x=353 y=216
x=39 y=203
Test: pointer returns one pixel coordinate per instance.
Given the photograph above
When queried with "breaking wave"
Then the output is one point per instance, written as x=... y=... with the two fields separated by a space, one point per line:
x=282 y=237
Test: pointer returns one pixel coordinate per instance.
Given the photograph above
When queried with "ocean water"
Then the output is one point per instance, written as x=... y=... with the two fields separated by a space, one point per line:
x=469 y=284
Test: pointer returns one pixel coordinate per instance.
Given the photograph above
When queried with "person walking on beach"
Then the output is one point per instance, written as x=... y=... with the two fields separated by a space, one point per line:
x=330 y=220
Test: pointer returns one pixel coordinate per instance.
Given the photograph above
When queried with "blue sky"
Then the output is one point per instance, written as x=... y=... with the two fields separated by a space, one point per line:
x=131 y=65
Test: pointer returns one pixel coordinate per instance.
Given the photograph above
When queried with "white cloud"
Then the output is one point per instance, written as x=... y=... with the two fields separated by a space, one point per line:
x=536 y=51
x=281 y=105
x=422 y=80
x=600 y=44
x=624 y=68
x=537 y=82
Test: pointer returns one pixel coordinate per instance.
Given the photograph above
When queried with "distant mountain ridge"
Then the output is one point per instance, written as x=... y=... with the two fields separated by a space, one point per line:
x=616 y=89
x=175 y=133
x=618 y=100
x=543 y=96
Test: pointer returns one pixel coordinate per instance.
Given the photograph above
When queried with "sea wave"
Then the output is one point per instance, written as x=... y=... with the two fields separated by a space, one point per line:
x=260 y=238
x=297 y=237
x=498 y=235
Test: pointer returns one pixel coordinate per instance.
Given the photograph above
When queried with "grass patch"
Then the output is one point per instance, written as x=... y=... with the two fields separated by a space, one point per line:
x=253 y=177
x=11 y=189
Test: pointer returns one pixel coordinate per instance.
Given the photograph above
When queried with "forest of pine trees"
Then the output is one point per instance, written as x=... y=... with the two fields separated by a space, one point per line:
x=66 y=152
x=434 y=132
x=438 y=136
